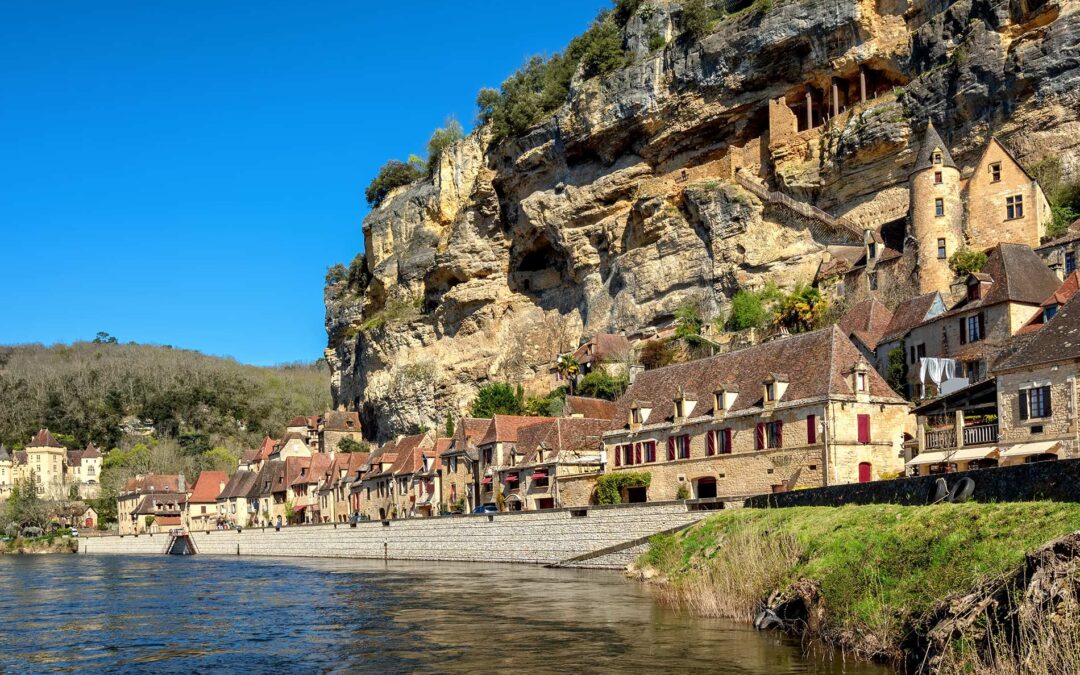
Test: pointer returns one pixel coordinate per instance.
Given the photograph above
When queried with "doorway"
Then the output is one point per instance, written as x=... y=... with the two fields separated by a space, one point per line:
x=866 y=472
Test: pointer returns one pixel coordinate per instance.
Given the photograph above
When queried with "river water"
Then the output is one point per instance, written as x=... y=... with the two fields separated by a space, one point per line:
x=256 y=615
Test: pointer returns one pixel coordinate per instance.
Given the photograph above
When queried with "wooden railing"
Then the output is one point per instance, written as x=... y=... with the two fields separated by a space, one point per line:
x=944 y=438
x=981 y=434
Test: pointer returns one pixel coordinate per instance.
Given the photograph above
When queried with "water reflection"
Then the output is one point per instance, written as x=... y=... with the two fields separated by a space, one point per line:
x=198 y=614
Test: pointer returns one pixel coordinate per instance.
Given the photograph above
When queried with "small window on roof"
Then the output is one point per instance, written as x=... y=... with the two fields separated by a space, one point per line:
x=995 y=172
x=937 y=157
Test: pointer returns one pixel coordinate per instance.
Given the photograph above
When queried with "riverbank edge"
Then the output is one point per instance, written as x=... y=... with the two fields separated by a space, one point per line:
x=59 y=546
x=753 y=566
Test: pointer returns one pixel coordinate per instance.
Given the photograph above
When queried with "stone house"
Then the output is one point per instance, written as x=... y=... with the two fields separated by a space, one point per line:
x=805 y=410
x=548 y=452
x=303 y=476
x=460 y=474
x=865 y=324
x=7 y=473
x=609 y=351
x=84 y=471
x=337 y=425
x=906 y=316
x=334 y=500
x=253 y=459
x=159 y=513
x=1061 y=254
x=235 y=504
x=1025 y=412
x=385 y=486
x=138 y=497
x=494 y=451
x=271 y=491
x=426 y=495
x=996 y=303
x=202 y=505
x=292 y=444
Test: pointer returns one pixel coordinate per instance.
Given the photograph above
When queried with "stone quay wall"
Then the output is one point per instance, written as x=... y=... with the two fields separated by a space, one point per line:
x=537 y=537
x=1056 y=480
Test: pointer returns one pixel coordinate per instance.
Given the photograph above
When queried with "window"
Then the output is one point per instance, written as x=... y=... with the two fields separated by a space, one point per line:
x=628 y=454
x=864 y=429
x=974 y=291
x=937 y=157
x=939 y=209
x=1035 y=403
x=995 y=172
x=682 y=444
x=769 y=435
x=718 y=401
x=1049 y=312
x=871 y=251
x=1070 y=262
x=811 y=429
x=937 y=178
x=635 y=416
x=649 y=448
x=489 y=455
x=871 y=278
x=770 y=392
x=724 y=444
x=860 y=381
x=973 y=328
x=1014 y=207
x=941 y=252
x=540 y=478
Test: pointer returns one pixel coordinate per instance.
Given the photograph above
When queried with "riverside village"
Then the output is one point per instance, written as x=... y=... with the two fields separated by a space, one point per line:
x=765 y=310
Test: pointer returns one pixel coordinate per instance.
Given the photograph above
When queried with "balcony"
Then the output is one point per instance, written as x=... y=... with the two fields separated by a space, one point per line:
x=977 y=434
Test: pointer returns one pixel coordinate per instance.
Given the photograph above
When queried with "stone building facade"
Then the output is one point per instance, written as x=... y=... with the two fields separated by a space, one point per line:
x=806 y=410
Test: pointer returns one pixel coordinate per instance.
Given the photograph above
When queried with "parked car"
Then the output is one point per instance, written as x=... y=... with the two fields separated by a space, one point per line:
x=486 y=508
x=74 y=532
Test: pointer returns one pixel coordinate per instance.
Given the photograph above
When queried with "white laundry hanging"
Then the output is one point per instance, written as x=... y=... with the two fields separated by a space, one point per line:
x=936 y=370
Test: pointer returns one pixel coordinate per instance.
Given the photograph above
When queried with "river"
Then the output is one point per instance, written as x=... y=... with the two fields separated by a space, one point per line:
x=258 y=615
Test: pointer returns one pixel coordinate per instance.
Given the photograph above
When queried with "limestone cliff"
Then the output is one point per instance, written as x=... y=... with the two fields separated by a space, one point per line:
x=624 y=205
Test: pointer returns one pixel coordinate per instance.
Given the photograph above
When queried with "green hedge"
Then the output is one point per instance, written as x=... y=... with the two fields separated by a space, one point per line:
x=609 y=487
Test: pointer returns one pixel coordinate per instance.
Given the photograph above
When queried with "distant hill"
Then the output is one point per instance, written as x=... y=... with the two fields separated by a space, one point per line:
x=94 y=392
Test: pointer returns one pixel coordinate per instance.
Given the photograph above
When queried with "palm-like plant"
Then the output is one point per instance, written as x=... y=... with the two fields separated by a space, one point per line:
x=569 y=369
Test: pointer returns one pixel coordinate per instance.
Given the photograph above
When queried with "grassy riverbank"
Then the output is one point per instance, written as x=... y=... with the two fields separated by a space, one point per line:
x=870 y=572
x=45 y=544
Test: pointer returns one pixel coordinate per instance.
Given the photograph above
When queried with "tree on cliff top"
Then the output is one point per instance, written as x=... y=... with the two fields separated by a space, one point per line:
x=498 y=398
x=393 y=174
x=440 y=140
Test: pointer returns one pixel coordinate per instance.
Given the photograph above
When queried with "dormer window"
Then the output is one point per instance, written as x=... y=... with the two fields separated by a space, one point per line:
x=718 y=401
x=860 y=381
x=871 y=251
x=775 y=385
x=635 y=416
x=937 y=157
x=770 y=392
x=974 y=290
x=1049 y=312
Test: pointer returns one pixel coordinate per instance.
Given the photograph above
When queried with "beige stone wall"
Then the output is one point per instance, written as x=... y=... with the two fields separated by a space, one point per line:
x=783 y=125
x=456 y=483
x=1063 y=398
x=987 y=222
x=927 y=228
x=330 y=439
x=747 y=471
x=576 y=490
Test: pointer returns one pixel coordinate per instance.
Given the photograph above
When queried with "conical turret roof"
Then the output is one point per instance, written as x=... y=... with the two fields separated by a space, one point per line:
x=91 y=451
x=932 y=140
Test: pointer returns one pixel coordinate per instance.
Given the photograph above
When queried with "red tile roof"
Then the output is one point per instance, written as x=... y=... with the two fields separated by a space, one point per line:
x=562 y=434
x=602 y=347
x=267 y=448
x=504 y=428
x=154 y=483
x=44 y=439
x=208 y=486
x=594 y=408
x=868 y=321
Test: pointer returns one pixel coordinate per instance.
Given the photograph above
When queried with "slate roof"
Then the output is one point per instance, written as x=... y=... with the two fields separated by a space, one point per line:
x=907 y=315
x=91 y=452
x=504 y=428
x=601 y=347
x=155 y=503
x=239 y=485
x=44 y=439
x=931 y=140
x=1058 y=340
x=815 y=364
x=593 y=408
x=1063 y=294
x=207 y=487
x=1071 y=235
x=1019 y=275
x=468 y=432
x=868 y=321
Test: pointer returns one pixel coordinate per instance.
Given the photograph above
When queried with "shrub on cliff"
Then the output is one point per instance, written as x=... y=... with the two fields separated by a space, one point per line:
x=804 y=309
x=498 y=398
x=965 y=261
x=393 y=174
x=747 y=311
x=440 y=140
x=598 y=384
x=1063 y=195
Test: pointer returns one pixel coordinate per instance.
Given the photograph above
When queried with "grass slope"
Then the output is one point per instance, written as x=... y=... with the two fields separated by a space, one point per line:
x=877 y=567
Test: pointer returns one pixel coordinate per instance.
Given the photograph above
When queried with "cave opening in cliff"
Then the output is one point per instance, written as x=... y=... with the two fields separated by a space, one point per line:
x=436 y=285
x=539 y=267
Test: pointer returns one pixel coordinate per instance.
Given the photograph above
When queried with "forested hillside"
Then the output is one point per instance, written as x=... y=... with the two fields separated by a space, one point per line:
x=93 y=392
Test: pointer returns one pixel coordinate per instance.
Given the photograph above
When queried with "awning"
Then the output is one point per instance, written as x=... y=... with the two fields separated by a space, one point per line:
x=300 y=507
x=512 y=478
x=1027 y=449
x=486 y=481
x=539 y=475
x=960 y=455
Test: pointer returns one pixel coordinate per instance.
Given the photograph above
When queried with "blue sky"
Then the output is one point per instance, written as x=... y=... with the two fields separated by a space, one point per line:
x=184 y=172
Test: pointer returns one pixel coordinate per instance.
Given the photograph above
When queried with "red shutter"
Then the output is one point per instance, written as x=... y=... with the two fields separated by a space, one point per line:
x=686 y=445
x=710 y=443
x=637 y=453
x=963 y=331
x=727 y=441
x=671 y=448
x=811 y=429
x=759 y=436
x=864 y=428
x=618 y=455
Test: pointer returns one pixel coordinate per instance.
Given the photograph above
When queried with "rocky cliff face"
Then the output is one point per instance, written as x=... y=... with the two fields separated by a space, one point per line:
x=622 y=206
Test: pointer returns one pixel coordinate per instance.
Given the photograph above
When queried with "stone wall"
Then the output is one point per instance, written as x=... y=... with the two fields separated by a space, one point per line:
x=1055 y=481
x=1060 y=426
x=541 y=537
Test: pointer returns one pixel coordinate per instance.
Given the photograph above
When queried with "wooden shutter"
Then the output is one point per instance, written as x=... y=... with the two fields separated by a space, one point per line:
x=1023 y=404
x=671 y=448
x=779 y=433
x=811 y=429
x=1046 y=397
x=618 y=455
x=710 y=443
x=963 y=331
x=637 y=453
x=759 y=436
x=982 y=325
x=686 y=446
x=864 y=428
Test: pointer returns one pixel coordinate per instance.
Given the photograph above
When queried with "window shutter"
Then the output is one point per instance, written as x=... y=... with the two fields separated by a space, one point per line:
x=671 y=448
x=637 y=453
x=727 y=441
x=759 y=436
x=710 y=443
x=963 y=331
x=779 y=433
x=811 y=429
x=1046 y=397
x=982 y=325
x=1023 y=404
x=686 y=445
x=864 y=428
x=618 y=455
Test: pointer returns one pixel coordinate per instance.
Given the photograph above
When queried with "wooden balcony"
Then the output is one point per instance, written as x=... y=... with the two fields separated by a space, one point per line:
x=978 y=434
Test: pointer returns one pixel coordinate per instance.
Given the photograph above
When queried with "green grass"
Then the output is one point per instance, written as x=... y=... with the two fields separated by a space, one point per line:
x=877 y=567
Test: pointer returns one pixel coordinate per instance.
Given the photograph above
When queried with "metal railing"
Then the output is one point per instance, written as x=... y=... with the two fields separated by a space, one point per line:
x=802 y=208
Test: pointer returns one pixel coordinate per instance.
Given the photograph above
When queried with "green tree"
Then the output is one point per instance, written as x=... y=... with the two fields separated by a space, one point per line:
x=688 y=322
x=442 y=139
x=103 y=338
x=350 y=445
x=568 y=368
x=966 y=261
x=896 y=375
x=624 y=10
x=801 y=310
x=698 y=16
x=393 y=174
x=657 y=354
x=747 y=311
x=449 y=425
x=598 y=384
x=497 y=398
x=149 y=520
x=336 y=274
